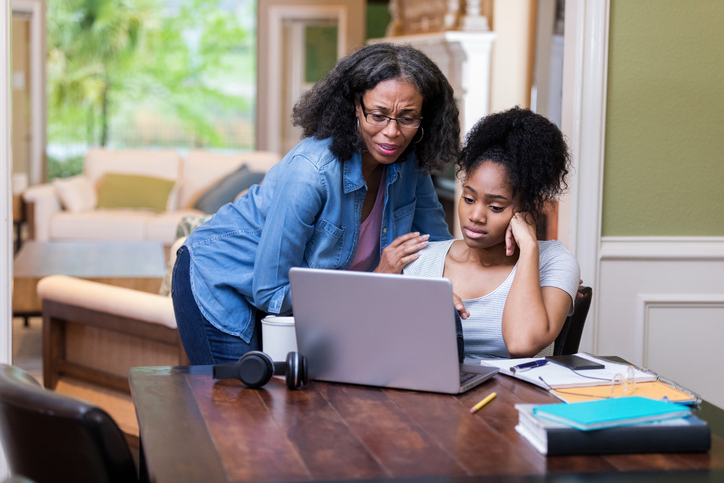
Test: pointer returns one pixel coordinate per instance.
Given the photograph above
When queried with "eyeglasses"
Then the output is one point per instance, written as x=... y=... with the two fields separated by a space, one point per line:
x=380 y=120
x=627 y=383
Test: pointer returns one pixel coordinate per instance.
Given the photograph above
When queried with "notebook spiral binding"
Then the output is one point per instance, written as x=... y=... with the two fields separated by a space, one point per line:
x=669 y=382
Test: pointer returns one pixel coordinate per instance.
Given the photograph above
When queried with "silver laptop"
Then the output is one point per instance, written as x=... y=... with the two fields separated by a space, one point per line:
x=380 y=330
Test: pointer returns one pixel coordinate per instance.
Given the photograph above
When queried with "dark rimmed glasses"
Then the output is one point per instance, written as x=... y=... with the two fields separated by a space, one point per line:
x=381 y=120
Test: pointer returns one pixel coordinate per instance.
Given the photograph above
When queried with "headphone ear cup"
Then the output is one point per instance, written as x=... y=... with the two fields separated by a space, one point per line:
x=255 y=369
x=296 y=370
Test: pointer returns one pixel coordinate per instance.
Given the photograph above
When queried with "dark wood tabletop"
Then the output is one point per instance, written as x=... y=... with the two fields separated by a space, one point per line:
x=195 y=429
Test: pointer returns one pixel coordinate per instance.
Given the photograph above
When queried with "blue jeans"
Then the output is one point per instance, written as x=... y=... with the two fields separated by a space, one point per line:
x=204 y=343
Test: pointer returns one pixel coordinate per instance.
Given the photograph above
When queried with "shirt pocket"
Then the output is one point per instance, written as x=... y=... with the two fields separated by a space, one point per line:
x=402 y=219
x=324 y=250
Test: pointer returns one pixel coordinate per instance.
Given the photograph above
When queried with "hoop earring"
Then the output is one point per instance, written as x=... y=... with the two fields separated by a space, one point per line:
x=421 y=136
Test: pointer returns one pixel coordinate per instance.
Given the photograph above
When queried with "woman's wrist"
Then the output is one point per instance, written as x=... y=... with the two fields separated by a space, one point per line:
x=527 y=245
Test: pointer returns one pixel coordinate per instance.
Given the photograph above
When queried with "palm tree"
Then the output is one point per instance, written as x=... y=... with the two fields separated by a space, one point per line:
x=91 y=45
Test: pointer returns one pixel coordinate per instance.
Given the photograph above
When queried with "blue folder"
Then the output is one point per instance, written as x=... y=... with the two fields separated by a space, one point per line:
x=608 y=413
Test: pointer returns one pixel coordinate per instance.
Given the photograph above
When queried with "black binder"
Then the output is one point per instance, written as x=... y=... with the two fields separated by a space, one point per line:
x=681 y=435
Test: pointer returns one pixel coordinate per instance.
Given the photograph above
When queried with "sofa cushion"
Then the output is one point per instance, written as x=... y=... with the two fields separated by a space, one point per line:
x=226 y=190
x=100 y=225
x=76 y=193
x=202 y=169
x=117 y=190
x=160 y=163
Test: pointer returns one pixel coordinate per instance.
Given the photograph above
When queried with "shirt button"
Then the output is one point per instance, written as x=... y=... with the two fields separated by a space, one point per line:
x=384 y=230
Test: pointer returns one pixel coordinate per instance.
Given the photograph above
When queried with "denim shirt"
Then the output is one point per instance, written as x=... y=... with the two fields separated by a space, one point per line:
x=306 y=213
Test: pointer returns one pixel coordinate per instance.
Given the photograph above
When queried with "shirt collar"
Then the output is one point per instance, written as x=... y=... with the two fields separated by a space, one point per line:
x=353 y=178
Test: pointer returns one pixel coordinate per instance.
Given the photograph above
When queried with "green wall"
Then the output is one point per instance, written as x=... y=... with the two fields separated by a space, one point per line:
x=378 y=16
x=664 y=149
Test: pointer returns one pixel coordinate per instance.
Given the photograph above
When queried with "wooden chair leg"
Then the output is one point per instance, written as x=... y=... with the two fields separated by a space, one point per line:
x=53 y=349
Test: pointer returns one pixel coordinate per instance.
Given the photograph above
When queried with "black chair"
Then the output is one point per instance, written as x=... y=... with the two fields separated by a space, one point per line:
x=50 y=437
x=570 y=336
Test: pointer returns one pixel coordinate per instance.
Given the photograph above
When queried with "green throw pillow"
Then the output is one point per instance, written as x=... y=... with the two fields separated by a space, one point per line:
x=118 y=190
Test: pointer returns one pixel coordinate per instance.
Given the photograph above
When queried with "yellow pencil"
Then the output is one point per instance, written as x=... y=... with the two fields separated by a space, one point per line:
x=482 y=403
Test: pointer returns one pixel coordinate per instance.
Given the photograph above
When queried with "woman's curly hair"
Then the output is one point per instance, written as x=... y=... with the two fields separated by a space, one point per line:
x=530 y=147
x=328 y=109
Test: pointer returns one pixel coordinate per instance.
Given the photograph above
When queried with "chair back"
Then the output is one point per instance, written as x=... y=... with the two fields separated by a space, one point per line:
x=570 y=336
x=50 y=437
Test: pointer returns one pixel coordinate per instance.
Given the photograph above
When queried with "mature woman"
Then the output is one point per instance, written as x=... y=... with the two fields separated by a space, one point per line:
x=354 y=194
x=516 y=291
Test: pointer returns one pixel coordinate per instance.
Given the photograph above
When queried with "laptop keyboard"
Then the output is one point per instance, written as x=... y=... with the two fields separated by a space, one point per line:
x=466 y=376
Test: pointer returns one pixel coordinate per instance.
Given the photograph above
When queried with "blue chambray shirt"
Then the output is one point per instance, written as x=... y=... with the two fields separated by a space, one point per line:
x=306 y=213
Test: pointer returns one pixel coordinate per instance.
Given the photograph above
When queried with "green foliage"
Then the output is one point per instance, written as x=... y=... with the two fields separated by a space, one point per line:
x=64 y=168
x=111 y=61
x=91 y=45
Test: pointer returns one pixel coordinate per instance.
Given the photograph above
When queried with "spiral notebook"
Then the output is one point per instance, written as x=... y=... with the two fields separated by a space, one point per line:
x=570 y=386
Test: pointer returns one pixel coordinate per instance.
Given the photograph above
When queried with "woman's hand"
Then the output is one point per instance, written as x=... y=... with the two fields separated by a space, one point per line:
x=458 y=302
x=400 y=252
x=521 y=231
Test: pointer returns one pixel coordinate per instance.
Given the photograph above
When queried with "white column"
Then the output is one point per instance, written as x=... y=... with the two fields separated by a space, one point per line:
x=5 y=201
x=583 y=122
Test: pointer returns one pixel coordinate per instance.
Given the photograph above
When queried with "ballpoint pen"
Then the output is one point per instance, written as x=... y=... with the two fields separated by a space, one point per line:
x=528 y=365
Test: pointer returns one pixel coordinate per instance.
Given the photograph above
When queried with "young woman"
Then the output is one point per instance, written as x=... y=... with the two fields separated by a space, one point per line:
x=355 y=194
x=516 y=291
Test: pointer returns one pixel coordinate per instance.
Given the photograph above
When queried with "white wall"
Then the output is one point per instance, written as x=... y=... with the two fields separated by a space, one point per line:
x=5 y=199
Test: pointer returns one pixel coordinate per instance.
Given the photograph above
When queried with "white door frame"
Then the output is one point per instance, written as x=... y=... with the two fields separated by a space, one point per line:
x=6 y=231
x=585 y=69
x=37 y=118
x=277 y=16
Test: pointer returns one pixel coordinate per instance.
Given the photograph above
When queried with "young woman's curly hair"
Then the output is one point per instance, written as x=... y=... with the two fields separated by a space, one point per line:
x=328 y=109
x=530 y=147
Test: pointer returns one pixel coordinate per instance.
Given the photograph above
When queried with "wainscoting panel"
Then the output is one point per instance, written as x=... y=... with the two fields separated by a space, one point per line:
x=688 y=329
x=661 y=306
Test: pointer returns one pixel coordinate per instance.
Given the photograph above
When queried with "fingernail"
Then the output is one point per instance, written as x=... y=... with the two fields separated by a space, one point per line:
x=426 y=236
x=423 y=244
x=417 y=233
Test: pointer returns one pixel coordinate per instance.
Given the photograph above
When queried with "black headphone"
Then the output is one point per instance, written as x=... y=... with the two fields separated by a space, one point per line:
x=256 y=368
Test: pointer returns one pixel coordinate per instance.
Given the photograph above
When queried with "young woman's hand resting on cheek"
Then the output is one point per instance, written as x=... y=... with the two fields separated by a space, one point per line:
x=521 y=232
x=400 y=252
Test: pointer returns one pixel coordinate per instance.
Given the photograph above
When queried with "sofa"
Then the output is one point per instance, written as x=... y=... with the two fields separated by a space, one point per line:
x=138 y=194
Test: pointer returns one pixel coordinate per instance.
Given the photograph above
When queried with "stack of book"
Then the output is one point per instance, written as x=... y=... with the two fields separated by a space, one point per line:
x=610 y=426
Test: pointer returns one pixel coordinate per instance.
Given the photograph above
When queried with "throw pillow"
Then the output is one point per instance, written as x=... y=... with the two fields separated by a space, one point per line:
x=226 y=189
x=118 y=190
x=76 y=193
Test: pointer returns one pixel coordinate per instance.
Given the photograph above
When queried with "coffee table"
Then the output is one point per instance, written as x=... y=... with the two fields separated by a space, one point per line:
x=138 y=265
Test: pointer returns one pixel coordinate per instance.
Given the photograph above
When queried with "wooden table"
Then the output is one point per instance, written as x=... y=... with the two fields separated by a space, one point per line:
x=138 y=265
x=194 y=429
